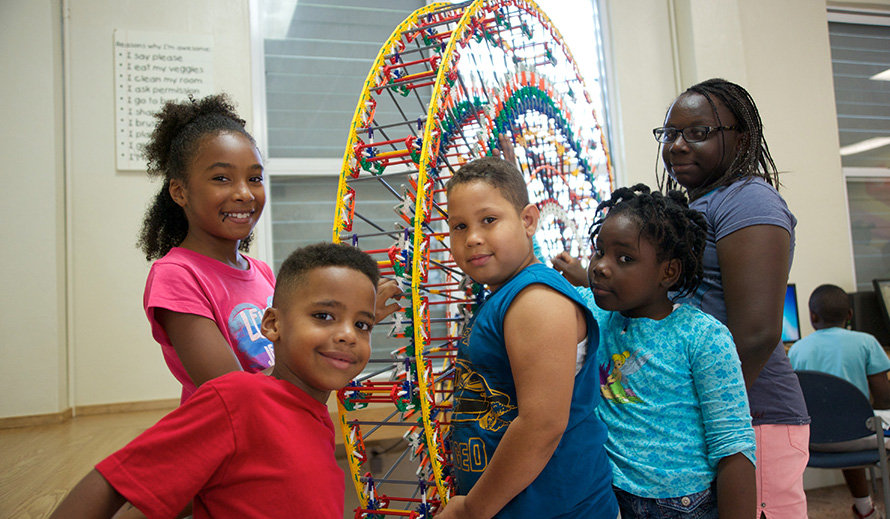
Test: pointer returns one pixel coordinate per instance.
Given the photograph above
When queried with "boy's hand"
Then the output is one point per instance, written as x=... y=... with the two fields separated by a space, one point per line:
x=571 y=269
x=387 y=289
x=455 y=509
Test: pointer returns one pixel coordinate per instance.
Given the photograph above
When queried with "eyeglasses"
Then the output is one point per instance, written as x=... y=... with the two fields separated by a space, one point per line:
x=667 y=134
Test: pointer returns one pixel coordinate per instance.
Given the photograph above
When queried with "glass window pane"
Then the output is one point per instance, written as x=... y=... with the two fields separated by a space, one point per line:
x=317 y=57
x=869 y=201
x=858 y=54
x=316 y=67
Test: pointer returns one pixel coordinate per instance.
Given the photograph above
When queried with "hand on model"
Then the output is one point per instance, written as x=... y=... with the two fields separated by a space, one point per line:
x=571 y=269
x=506 y=150
x=387 y=289
x=455 y=509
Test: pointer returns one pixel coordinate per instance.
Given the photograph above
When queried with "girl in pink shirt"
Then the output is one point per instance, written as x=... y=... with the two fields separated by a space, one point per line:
x=204 y=298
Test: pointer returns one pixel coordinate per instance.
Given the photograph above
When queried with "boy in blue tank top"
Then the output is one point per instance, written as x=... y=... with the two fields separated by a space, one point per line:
x=525 y=441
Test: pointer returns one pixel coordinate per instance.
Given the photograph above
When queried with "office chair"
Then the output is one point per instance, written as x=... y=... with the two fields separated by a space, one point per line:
x=840 y=412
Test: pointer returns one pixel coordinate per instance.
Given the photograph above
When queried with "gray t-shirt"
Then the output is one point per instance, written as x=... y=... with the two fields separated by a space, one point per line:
x=775 y=397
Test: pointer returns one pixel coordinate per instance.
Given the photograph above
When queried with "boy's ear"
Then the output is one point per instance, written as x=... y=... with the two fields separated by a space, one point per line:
x=672 y=272
x=529 y=216
x=816 y=321
x=269 y=325
x=177 y=192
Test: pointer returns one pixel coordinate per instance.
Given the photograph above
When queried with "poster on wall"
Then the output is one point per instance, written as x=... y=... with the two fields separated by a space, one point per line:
x=150 y=69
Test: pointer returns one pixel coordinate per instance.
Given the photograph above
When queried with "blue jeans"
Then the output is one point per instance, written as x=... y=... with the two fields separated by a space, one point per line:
x=700 y=505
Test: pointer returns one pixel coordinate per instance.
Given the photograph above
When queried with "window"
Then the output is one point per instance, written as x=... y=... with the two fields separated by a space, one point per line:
x=860 y=56
x=315 y=59
x=316 y=56
x=869 y=203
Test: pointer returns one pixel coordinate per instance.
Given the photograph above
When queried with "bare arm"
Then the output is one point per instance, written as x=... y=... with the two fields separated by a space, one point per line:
x=754 y=267
x=544 y=378
x=736 y=490
x=200 y=346
x=879 y=388
x=93 y=497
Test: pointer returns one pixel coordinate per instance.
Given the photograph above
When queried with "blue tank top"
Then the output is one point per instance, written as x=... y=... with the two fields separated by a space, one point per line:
x=577 y=481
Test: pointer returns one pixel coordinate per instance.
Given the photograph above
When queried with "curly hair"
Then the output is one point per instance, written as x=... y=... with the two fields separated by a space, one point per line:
x=675 y=231
x=181 y=129
x=294 y=269
x=498 y=173
x=753 y=158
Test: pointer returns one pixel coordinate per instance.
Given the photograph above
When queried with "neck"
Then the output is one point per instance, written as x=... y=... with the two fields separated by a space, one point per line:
x=287 y=375
x=224 y=251
x=656 y=311
x=827 y=326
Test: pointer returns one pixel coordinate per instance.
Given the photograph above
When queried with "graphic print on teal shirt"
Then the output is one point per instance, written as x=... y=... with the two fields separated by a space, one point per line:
x=613 y=380
x=477 y=402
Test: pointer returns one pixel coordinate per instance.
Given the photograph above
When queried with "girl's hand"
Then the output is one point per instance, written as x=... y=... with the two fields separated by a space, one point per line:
x=571 y=269
x=506 y=152
x=387 y=289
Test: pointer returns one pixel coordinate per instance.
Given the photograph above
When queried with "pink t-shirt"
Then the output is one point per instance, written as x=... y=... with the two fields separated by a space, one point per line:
x=187 y=282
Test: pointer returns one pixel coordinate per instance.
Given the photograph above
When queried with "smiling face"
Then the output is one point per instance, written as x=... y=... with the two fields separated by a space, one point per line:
x=698 y=164
x=322 y=330
x=490 y=240
x=223 y=195
x=625 y=273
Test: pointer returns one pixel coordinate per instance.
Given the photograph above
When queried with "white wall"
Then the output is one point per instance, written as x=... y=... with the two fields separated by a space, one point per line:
x=778 y=50
x=32 y=307
x=113 y=357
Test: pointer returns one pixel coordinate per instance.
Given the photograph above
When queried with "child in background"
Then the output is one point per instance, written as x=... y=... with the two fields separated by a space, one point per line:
x=712 y=144
x=204 y=298
x=674 y=400
x=524 y=437
x=854 y=356
x=251 y=445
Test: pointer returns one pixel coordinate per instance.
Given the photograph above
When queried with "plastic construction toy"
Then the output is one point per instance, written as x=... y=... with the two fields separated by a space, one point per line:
x=449 y=80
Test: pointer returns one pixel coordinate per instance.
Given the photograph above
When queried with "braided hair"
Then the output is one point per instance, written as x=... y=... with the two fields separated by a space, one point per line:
x=675 y=231
x=753 y=158
x=181 y=129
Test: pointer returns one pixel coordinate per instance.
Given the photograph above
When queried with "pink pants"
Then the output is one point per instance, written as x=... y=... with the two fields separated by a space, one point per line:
x=782 y=456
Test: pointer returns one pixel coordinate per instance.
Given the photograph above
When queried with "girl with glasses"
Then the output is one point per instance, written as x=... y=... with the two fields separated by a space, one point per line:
x=712 y=144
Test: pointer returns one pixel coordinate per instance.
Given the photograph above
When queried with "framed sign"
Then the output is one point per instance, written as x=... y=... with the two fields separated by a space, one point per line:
x=151 y=69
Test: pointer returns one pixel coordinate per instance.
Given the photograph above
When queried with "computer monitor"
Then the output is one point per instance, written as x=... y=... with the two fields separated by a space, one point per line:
x=790 y=316
x=869 y=314
x=882 y=291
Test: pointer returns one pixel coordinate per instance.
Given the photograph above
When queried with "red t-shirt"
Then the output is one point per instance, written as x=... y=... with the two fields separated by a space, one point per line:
x=187 y=282
x=244 y=445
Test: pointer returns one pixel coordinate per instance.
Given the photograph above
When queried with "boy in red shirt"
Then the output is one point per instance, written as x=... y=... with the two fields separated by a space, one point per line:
x=251 y=445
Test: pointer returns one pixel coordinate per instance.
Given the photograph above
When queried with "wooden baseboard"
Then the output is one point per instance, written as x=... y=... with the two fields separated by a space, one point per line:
x=127 y=407
x=87 y=410
x=37 y=419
